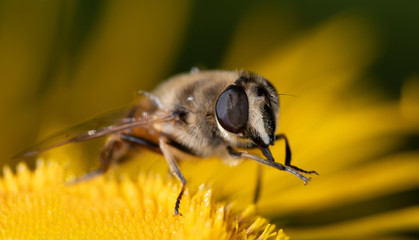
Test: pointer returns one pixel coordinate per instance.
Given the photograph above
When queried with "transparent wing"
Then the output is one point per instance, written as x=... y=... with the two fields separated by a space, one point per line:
x=105 y=124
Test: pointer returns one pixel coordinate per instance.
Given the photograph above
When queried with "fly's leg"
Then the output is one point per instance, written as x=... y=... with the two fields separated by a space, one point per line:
x=112 y=152
x=288 y=155
x=267 y=153
x=87 y=176
x=245 y=155
x=258 y=184
x=174 y=169
x=140 y=141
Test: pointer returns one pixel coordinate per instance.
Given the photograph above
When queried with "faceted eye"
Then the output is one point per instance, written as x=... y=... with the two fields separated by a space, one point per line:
x=232 y=109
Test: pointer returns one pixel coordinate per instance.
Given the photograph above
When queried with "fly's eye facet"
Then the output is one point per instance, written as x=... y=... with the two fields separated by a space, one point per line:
x=232 y=109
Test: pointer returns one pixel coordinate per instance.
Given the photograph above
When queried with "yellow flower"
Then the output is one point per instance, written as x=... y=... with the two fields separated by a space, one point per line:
x=36 y=205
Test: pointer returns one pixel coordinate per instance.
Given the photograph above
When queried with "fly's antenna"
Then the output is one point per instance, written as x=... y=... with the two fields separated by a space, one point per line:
x=284 y=94
x=275 y=100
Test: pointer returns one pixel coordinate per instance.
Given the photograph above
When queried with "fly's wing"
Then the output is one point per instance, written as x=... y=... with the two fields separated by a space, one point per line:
x=102 y=125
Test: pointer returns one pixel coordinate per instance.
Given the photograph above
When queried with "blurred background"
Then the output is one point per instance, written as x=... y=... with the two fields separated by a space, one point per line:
x=353 y=65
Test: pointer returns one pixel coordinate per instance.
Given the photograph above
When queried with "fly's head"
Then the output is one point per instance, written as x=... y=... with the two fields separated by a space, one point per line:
x=247 y=112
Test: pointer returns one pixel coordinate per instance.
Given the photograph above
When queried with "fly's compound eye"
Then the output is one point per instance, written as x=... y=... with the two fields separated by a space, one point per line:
x=232 y=109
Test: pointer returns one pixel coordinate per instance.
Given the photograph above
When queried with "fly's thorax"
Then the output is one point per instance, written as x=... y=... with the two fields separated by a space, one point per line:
x=192 y=97
x=196 y=90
